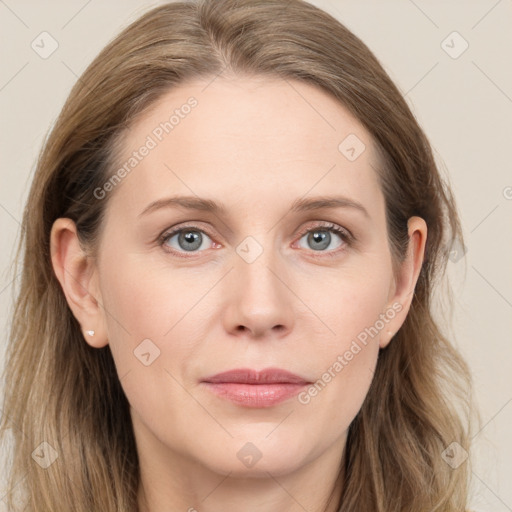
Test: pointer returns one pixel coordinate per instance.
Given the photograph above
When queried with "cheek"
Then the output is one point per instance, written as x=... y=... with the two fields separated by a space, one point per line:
x=145 y=309
x=143 y=300
x=155 y=315
x=348 y=304
x=351 y=310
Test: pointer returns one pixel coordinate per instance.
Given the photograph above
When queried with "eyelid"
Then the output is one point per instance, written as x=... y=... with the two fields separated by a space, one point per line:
x=328 y=226
x=191 y=225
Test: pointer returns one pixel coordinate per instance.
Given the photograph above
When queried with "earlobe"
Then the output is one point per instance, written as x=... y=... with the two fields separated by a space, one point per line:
x=405 y=283
x=385 y=339
x=77 y=276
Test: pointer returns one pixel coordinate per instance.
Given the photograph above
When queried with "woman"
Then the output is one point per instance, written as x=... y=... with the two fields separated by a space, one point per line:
x=230 y=251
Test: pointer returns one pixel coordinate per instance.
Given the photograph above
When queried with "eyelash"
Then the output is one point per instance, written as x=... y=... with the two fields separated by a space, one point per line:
x=343 y=233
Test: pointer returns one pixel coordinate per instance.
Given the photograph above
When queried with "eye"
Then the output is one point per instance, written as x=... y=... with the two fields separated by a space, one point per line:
x=320 y=238
x=192 y=239
x=186 y=239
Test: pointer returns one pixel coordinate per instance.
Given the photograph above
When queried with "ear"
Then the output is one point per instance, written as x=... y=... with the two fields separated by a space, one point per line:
x=77 y=275
x=402 y=289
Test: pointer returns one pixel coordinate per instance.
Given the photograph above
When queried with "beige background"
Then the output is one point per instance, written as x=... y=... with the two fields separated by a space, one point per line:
x=464 y=104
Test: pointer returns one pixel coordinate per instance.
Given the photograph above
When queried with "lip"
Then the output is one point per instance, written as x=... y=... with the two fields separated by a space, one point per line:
x=250 y=376
x=257 y=389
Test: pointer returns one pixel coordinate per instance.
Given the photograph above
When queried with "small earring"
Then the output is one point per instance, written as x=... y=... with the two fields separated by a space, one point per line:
x=90 y=333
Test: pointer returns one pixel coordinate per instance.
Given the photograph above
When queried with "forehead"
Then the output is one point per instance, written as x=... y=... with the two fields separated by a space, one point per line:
x=261 y=137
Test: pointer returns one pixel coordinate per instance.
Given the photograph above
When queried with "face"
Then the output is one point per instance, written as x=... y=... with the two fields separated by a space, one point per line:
x=278 y=259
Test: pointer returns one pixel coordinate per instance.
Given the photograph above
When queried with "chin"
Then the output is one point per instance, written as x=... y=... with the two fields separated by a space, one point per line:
x=245 y=458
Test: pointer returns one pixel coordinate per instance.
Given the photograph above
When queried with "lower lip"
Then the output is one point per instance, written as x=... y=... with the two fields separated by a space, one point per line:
x=255 y=395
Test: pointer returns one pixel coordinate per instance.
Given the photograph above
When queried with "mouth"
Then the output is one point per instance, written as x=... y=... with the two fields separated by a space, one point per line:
x=256 y=389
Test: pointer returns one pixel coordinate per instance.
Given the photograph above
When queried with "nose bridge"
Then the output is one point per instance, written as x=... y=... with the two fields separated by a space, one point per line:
x=260 y=301
x=255 y=267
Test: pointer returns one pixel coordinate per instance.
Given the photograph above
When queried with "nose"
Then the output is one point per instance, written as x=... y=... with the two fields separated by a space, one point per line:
x=259 y=302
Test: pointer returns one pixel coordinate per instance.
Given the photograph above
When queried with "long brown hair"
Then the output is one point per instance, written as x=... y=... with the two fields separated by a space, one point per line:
x=61 y=391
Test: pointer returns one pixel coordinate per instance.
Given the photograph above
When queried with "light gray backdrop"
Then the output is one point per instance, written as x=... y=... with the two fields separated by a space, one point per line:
x=451 y=59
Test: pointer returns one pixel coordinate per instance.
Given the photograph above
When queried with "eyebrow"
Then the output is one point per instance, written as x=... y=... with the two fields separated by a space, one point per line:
x=299 y=205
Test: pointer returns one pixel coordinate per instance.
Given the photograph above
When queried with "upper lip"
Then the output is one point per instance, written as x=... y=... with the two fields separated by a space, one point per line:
x=250 y=376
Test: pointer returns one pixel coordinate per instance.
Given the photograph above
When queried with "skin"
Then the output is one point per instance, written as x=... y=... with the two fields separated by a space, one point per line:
x=255 y=146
